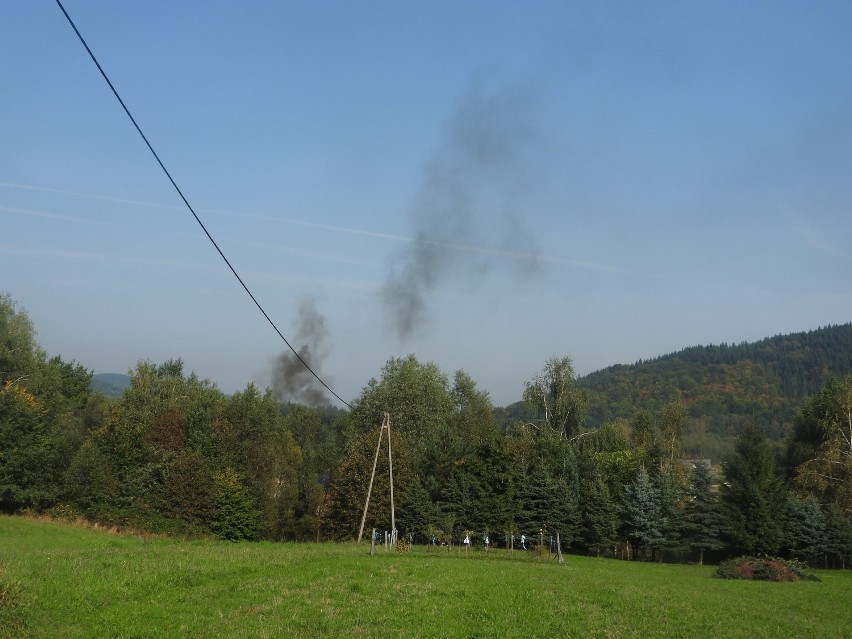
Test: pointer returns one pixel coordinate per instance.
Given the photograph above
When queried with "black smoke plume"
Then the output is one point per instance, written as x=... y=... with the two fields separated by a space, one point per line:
x=291 y=380
x=472 y=188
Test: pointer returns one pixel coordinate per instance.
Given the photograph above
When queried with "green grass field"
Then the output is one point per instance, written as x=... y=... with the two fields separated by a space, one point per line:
x=60 y=580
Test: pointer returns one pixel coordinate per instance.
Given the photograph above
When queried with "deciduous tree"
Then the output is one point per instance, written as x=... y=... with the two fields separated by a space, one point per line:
x=672 y=424
x=236 y=515
x=555 y=398
x=417 y=397
x=821 y=445
x=26 y=452
x=348 y=490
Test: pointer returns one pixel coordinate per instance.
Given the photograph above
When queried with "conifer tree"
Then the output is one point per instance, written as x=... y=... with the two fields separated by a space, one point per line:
x=546 y=504
x=838 y=528
x=805 y=530
x=703 y=520
x=641 y=516
x=599 y=515
x=671 y=512
x=753 y=497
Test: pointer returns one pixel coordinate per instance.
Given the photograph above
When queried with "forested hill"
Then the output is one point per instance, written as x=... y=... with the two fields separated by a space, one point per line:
x=726 y=386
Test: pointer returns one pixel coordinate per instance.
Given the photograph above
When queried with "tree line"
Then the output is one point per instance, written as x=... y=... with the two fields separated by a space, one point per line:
x=175 y=455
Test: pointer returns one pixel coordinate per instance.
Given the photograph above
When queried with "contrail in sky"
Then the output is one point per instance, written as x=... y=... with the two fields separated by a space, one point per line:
x=89 y=257
x=50 y=216
x=453 y=246
x=105 y=198
x=485 y=250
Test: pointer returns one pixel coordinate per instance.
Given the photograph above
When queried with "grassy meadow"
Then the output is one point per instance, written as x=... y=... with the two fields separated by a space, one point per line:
x=62 y=580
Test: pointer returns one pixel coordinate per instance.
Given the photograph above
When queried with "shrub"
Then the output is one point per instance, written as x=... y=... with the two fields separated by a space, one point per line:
x=763 y=569
x=237 y=516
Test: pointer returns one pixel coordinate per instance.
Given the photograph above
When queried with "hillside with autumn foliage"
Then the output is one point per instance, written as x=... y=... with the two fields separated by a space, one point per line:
x=725 y=386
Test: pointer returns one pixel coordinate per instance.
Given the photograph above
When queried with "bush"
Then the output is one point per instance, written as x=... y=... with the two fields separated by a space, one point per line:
x=237 y=516
x=763 y=569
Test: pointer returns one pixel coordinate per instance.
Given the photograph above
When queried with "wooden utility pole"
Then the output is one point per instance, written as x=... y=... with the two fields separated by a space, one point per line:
x=385 y=424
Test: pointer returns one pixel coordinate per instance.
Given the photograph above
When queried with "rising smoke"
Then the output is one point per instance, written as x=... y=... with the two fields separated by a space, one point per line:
x=468 y=211
x=291 y=380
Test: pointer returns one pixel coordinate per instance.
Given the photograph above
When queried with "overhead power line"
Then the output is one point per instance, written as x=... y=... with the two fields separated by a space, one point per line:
x=191 y=210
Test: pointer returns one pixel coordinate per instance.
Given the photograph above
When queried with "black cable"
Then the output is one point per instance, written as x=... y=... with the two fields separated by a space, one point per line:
x=191 y=210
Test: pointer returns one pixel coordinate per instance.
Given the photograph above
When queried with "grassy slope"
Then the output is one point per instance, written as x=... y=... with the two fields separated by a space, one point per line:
x=71 y=582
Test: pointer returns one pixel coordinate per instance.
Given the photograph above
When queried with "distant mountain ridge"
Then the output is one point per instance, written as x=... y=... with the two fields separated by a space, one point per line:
x=110 y=384
x=726 y=386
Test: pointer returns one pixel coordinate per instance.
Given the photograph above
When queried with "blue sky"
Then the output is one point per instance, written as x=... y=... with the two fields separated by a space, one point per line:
x=484 y=185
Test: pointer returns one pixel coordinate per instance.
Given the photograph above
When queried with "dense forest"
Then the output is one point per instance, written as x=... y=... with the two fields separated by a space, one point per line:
x=725 y=387
x=174 y=455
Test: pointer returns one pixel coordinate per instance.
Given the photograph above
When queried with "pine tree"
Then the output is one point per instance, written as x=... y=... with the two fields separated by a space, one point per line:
x=703 y=519
x=476 y=489
x=805 y=530
x=838 y=528
x=671 y=512
x=753 y=497
x=641 y=516
x=599 y=515
x=547 y=504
